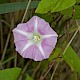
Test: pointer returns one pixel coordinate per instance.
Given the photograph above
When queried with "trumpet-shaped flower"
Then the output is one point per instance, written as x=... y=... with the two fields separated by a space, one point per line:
x=34 y=39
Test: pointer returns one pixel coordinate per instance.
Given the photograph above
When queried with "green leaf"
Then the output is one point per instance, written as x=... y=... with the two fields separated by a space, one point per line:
x=44 y=6
x=10 y=74
x=54 y=5
x=68 y=12
x=28 y=77
x=72 y=59
x=62 y=4
x=11 y=7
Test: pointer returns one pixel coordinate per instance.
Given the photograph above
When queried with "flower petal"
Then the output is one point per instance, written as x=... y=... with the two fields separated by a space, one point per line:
x=31 y=24
x=47 y=49
x=20 y=44
x=50 y=35
x=41 y=24
x=34 y=53
x=46 y=29
x=27 y=46
x=37 y=54
x=41 y=49
x=50 y=41
x=48 y=44
x=28 y=53
x=18 y=36
x=36 y=25
x=23 y=27
x=26 y=34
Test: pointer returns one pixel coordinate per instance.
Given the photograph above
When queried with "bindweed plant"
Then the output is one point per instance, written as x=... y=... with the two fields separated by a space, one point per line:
x=39 y=40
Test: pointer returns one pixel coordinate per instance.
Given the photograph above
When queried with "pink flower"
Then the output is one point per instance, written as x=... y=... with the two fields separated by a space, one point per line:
x=34 y=39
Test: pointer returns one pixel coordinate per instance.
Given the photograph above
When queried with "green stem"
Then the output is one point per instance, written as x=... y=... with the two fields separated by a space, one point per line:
x=36 y=69
x=9 y=59
x=26 y=11
x=7 y=41
x=1 y=30
x=15 y=59
x=3 y=21
x=24 y=70
x=1 y=67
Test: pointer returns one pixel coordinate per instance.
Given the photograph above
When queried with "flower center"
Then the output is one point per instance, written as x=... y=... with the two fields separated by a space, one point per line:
x=36 y=38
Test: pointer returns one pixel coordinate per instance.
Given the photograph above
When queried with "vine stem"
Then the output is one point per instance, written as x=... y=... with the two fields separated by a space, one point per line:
x=24 y=70
x=36 y=69
x=26 y=11
x=7 y=41
x=65 y=50
x=1 y=36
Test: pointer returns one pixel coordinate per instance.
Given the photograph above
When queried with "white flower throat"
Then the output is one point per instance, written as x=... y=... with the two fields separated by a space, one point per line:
x=36 y=37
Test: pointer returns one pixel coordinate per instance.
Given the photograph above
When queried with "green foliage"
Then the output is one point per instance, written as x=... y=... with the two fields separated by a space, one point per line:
x=78 y=0
x=68 y=12
x=54 y=54
x=72 y=59
x=10 y=74
x=47 y=16
x=28 y=77
x=58 y=23
x=54 y=5
x=3 y=1
x=11 y=7
x=44 y=65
